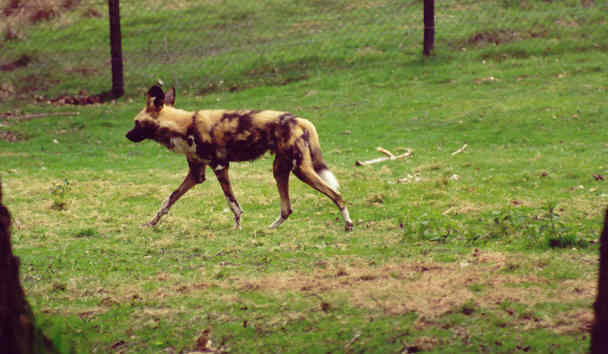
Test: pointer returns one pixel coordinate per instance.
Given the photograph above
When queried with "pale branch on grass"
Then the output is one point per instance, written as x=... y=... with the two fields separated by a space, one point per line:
x=460 y=150
x=353 y=340
x=389 y=157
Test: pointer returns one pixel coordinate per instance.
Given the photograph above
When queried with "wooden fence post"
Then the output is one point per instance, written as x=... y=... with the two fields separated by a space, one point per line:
x=116 y=49
x=429 y=27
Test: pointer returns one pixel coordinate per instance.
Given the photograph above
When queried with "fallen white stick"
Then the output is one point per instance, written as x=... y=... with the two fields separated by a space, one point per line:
x=460 y=150
x=389 y=157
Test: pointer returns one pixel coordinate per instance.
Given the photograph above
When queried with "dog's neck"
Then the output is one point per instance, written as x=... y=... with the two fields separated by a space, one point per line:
x=174 y=118
x=172 y=113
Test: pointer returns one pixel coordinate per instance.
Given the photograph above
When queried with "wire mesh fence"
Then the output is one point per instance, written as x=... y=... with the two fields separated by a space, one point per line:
x=243 y=44
x=232 y=45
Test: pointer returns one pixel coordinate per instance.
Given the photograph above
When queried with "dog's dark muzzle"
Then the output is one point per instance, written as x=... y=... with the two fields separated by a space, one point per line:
x=135 y=136
x=139 y=133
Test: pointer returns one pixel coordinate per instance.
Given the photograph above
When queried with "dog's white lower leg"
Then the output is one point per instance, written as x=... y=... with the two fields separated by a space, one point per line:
x=347 y=220
x=163 y=211
x=277 y=222
x=285 y=212
x=221 y=172
x=237 y=211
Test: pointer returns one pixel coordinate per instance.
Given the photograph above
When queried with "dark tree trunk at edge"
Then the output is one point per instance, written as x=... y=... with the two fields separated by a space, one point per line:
x=18 y=333
x=599 y=331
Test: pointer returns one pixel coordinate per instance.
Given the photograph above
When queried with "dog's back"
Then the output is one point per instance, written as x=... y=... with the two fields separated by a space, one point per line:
x=242 y=135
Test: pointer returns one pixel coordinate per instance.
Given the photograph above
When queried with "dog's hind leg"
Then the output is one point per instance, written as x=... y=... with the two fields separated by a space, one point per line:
x=281 y=169
x=221 y=172
x=304 y=171
x=195 y=175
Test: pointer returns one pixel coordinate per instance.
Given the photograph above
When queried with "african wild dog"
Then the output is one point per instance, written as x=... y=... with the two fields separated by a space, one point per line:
x=218 y=137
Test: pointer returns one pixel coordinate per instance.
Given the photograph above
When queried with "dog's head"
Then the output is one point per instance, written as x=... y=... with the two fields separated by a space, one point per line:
x=147 y=121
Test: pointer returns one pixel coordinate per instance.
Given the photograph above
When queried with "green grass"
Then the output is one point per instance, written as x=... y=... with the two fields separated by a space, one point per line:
x=492 y=249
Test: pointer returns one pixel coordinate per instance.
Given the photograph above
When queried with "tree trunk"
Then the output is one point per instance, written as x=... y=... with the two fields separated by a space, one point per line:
x=17 y=331
x=116 y=49
x=599 y=331
x=429 y=27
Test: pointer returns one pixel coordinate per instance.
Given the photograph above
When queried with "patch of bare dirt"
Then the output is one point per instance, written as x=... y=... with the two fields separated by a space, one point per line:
x=8 y=118
x=573 y=322
x=20 y=13
x=83 y=70
x=34 y=83
x=92 y=13
x=499 y=36
x=37 y=10
x=7 y=90
x=11 y=137
x=23 y=61
x=435 y=289
x=83 y=98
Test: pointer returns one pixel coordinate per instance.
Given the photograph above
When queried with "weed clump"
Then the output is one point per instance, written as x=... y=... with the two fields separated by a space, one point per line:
x=88 y=232
x=528 y=227
x=59 y=193
x=565 y=241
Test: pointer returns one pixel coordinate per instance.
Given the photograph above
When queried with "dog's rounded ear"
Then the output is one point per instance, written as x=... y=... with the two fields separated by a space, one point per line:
x=156 y=98
x=170 y=97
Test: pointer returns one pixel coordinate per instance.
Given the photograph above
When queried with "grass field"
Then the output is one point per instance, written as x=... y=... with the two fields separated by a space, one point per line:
x=492 y=249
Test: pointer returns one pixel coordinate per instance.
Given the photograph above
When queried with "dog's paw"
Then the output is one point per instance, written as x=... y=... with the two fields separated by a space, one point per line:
x=148 y=224
x=348 y=227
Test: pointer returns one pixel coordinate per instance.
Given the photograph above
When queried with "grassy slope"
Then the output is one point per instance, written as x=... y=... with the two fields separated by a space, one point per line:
x=531 y=109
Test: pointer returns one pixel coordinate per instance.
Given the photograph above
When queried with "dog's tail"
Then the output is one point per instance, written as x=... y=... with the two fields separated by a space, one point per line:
x=317 y=159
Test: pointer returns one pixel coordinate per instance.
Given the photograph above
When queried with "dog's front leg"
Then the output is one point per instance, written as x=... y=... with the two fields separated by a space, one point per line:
x=195 y=175
x=221 y=172
x=281 y=169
